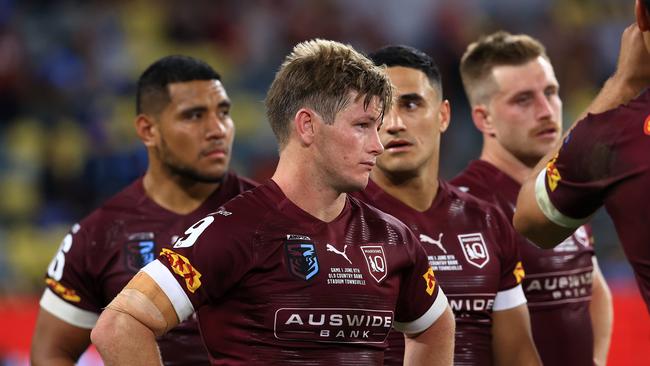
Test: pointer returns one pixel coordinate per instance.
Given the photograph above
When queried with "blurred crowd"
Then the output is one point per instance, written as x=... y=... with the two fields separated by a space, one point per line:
x=68 y=70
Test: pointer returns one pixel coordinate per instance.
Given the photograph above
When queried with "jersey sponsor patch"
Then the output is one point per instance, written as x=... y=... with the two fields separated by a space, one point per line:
x=552 y=174
x=335 y=325
x=519 y=272
x=182 y=267
x=376 y=261
x=67 y=294
x=646 y=125
x=302 y=260
x=474 y=248
x=139 y=253
x=430 y=279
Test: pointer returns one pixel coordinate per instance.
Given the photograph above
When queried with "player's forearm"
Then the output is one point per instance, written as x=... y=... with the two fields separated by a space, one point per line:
x=512 y=339
x=434 y=346
x=56 y=342
x=602 y=316
x=123 y=340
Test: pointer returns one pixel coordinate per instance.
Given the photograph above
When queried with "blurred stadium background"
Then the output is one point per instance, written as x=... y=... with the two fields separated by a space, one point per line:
x=67 y=80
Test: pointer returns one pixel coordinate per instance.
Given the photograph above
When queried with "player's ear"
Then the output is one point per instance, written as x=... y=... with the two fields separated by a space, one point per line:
x=642 y=16
x=146 y=128
x=444 y=115
x=482 y=120
x=304 y=124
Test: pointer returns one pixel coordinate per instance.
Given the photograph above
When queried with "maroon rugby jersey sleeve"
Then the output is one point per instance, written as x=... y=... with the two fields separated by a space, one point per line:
x=421 y=301
x=70 y=294
x=573 y=184
x=204 y=263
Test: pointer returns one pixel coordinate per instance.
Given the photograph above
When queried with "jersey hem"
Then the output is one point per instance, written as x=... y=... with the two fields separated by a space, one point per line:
x=67 y=312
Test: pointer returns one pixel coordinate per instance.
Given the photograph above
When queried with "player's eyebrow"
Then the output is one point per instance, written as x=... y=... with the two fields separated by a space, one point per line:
x=410 y=97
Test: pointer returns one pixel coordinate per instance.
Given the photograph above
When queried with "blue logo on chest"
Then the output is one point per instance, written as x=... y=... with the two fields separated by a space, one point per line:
x=301 y=259
x=139 y=254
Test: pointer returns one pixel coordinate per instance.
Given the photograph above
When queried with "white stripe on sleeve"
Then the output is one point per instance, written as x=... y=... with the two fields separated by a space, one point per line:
x=67 y=312
x=552 y=213
x=509 y=299
x=424 y=322
x=165 y=279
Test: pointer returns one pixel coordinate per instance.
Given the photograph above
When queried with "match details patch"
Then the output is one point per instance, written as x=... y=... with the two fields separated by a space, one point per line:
x=333 y=325
x=552 y=174
x=519 y=272
x=67 y=294
x=302 y=260
x=182 y=267
x=430 y=279
x=376 y=261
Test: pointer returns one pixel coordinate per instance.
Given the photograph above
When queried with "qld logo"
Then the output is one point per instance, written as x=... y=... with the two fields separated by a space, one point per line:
x=376 y=260
x=302 y=259
x=474 y=248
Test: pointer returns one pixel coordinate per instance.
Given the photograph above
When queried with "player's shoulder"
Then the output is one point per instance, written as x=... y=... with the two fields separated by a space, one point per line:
x=241 y=183
x=632 y=117
x=374 y=216
x=470 y=203
x=472 y=179
x=120 y=206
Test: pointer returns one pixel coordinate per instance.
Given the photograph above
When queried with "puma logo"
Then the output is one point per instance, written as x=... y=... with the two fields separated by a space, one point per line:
x=429 y=240
x=330 y=248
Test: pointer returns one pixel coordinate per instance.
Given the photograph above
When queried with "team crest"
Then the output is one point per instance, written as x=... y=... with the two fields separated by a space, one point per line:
x=474 y=249
x=376 y=260
x=139 y=250
x=301 y=259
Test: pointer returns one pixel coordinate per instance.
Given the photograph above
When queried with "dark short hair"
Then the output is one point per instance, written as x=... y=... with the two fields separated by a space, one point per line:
x=152 y=92
x=411 y=57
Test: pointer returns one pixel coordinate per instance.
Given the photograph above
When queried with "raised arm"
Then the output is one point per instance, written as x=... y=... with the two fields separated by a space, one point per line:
x=126 y=331
x=632 y=75
x=434 y=346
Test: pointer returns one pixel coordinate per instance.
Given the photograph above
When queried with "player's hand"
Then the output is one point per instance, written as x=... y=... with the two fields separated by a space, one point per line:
x=633 y=68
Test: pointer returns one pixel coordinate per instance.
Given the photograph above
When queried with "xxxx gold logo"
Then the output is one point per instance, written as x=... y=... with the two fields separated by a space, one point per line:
x=646 y=125
x=66 y=293
x=430 y=279
x=183 y=268
x=519 y=272
x=552 y=174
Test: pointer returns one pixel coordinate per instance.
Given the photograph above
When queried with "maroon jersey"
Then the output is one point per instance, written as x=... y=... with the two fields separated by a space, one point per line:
x=102 y=253
x=472 y=249
x=271 y=284
x=604 y=161
x=558 y=281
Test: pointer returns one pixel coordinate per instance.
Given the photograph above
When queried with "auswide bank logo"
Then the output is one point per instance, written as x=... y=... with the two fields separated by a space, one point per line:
x=333 y=325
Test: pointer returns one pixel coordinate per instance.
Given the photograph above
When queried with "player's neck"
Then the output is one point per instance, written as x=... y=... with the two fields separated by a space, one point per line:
x=176 y=194
x=306 y=189
x=505 y=161
x=416 y=190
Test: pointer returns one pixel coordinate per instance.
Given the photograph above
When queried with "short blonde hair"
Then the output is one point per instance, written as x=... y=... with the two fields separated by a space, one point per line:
x=497 y=49
x=320 y=75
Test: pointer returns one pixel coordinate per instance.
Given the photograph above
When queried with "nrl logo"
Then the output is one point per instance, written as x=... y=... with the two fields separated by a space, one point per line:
x=474 y=249
x=376 y=260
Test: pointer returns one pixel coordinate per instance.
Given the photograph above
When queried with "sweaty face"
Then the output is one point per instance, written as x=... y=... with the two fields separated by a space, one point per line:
x=526 y=110
x=346 y=150
x=411 y=131
x=196 y=131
